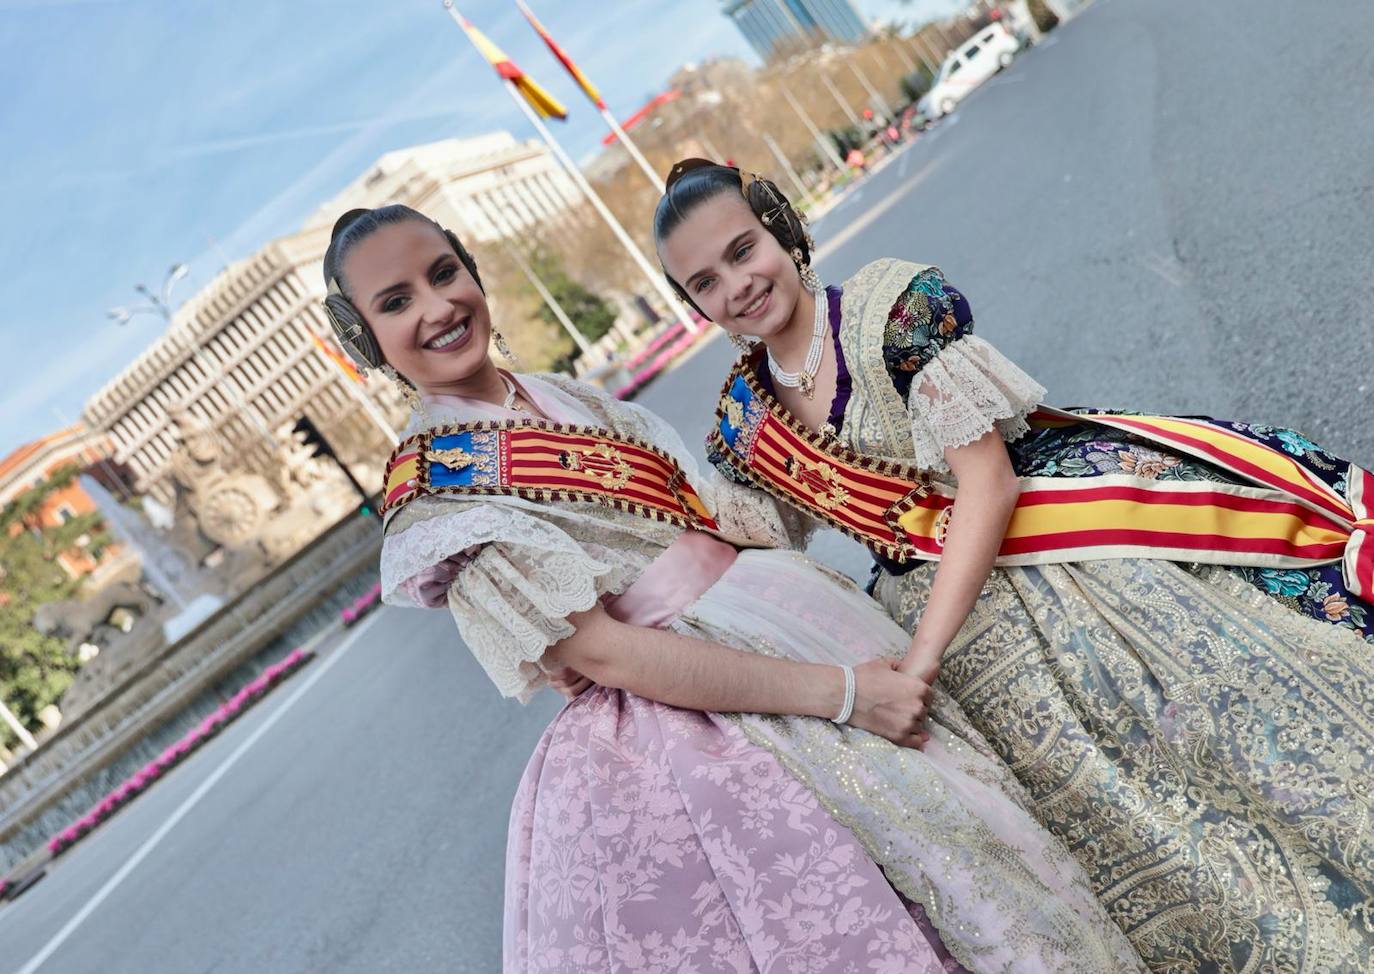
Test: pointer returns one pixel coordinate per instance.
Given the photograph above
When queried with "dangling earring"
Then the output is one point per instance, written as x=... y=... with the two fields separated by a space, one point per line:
x=412 y=395
x=744 y=345
x=810 y=280
x=504 y=349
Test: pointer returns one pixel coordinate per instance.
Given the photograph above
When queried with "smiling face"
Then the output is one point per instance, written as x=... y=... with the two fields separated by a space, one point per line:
x=732 y=267
x=428 y=314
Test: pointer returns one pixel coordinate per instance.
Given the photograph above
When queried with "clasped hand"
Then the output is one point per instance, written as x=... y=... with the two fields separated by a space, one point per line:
x=890 y=698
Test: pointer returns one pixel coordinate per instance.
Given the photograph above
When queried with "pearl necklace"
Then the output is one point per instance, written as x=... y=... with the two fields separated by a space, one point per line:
x=510 y=402
x=805 y=380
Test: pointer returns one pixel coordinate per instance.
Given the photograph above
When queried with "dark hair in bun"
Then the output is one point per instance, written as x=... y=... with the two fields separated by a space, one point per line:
x=694 y=181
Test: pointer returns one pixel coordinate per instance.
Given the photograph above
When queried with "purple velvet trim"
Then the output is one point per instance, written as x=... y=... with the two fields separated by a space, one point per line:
x=843 y=383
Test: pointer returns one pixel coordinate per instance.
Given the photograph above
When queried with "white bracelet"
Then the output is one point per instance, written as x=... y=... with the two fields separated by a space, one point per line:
x=847 y=710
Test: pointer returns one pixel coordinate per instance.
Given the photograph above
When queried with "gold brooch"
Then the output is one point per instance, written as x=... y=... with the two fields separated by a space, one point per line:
x=603 y=462
x=733 y=410
x=452 y=457
x=821 y=479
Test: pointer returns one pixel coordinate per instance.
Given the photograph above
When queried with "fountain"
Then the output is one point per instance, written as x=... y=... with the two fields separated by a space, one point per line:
x=166 y=568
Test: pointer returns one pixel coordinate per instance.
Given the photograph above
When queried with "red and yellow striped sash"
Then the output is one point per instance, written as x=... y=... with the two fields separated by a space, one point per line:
x=543 y=461
x=1282 y=516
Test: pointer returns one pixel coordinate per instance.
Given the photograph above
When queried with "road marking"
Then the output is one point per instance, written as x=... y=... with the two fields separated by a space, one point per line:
x=906 y=160
x=1169 y=270
x=192 y=800
x=862 y=223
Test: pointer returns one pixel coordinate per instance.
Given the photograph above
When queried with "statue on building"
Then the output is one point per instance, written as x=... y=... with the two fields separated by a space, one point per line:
x=231 y=507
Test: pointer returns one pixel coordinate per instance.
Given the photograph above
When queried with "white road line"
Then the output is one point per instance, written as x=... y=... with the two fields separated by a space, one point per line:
x=838 y=240
x=1168 y=270
x=152 y=841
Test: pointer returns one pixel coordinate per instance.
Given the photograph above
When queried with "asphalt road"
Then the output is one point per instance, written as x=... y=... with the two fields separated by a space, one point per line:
x=1168 y=207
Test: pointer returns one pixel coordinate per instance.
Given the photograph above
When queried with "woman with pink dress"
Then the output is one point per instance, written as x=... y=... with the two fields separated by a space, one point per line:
x=742 y=780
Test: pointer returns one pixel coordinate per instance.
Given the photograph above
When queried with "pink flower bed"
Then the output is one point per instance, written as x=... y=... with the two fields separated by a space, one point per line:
x=173 y=755
x=654 y=347
x=362 y=605
x=669 y=346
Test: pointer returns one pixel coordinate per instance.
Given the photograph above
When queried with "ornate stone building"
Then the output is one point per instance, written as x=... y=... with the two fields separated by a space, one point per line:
x=239 y=361
x=484 y=188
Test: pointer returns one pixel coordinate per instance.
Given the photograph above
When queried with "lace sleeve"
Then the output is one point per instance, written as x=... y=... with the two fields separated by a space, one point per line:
x=750 y=514
x=963 y=392
x=512 y=603
x=512 y=581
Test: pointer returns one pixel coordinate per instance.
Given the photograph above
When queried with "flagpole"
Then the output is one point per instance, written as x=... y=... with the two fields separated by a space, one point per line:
x=630 y=246
x=787 y=166
x=934 y=51
x=656 y=280
x=371 y=408
x=872 y=92
x=655 y=179
x=351 y=384
x=504 y=230
x=921 y=52
x=853 y=116
x=712 y=149
x=821 y=140
x=903 y=55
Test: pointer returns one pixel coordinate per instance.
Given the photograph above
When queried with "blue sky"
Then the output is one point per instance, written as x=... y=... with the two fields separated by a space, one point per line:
x=139 y=133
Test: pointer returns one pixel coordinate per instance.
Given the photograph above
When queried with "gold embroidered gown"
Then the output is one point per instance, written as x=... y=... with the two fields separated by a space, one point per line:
x=1200 y=737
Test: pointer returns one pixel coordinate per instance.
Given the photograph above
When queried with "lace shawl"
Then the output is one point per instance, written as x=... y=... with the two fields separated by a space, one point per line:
x=511 y=571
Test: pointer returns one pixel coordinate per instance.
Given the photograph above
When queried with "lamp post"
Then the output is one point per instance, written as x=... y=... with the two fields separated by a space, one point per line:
x=161 y=305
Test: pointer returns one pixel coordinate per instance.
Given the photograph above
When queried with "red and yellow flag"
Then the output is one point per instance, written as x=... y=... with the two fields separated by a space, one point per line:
x=540 y=100
x=335 y=354
x=563 y=58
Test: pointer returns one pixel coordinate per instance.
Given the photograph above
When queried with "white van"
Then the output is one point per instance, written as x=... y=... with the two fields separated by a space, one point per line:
x=967 y=67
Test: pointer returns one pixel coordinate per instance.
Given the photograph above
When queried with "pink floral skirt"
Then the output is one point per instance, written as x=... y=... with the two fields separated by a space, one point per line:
x=650 y=839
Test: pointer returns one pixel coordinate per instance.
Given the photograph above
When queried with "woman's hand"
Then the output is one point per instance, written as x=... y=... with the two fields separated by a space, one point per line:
x=568 y=682
x=890 y=703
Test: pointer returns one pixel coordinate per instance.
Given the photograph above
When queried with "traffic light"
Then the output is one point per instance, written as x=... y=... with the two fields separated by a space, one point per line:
x=314 y=438
x=319 y=447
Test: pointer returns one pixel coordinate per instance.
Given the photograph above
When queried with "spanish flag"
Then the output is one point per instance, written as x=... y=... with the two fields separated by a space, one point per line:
x=336 y=355
x=563 y=58
x=540 y=100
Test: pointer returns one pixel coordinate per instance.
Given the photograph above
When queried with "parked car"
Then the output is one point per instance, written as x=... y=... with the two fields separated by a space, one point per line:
x=967 y=67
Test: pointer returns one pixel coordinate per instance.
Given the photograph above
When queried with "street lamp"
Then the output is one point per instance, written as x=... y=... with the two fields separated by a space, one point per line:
x=161 y=305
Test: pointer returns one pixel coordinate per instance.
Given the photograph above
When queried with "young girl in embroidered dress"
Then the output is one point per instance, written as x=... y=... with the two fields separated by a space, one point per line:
x=1103 y=606
x=742 y=780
